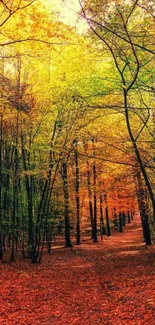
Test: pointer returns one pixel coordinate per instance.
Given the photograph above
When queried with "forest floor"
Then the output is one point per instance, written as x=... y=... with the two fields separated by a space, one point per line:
x=110 y=282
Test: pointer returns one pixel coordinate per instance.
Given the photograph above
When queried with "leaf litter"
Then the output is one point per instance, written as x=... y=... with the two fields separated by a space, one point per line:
x=110 y=282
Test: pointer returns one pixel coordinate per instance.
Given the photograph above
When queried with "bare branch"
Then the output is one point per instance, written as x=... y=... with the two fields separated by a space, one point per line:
x=12 y=12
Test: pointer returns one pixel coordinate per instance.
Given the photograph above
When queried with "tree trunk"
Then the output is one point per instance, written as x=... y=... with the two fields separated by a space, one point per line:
x=129 y=217
x=14 y=210
x=107 y=217
x=29 y=191
x=102 y=226
x=120 y=222
x=1 y=180
x=124 y=219
x=66 y=205
x=77 y=196
x=15 y=191
x=143 y=209
x=89 y=192
x=115 y=220
x=95 y=239
x=49 y=238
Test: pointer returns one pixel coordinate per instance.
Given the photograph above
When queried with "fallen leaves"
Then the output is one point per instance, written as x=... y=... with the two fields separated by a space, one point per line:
x=110 y=283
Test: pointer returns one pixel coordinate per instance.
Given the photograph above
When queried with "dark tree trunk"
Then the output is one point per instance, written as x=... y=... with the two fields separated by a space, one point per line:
x=120 y=222
x=95 y=239
x=15 y=192
x=29 y=191
x=102 y=225
x=107 y=217
x=115 y=220
x=143 y=208
x=16 y=166
x=129 y=217
x=41 y=210
x=14 y=210
x=132 y=215
x=44 y=221
x=124 y=219
x=1 y=180
x=77 y=196
x=89 y=192
x=66 y=205
x=90 y=199
x=49 y=238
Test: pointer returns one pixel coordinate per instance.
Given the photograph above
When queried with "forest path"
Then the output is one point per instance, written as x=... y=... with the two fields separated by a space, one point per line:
x=110 y=283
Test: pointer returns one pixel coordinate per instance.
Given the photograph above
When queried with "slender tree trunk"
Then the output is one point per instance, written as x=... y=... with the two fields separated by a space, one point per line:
x=120 y=222
x=14 y=210
x=29 y=191
x=16 y=166
x=90 y=199
x=1 y=181
x=102 y=226
x=44 y=221
x=129 y=217
x=143 y=209
x=89 y=192
x=49 y=238
x=124 y=219
x=132 y=214
x=101 y=218
x=107 y=216
x=66 y=205
x=77 y=196
x=95 y=199
x=15 y=192
x=115 y=220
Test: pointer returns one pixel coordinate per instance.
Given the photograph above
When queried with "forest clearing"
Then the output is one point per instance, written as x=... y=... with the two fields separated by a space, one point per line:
x=110 y=282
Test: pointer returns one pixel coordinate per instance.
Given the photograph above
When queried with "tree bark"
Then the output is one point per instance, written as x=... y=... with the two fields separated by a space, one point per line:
x=15 y=191
x=124 y=219
x=102 y=226
x=1 y=181
x=66 y=205
x=120 y=222
x=143 y=208
x=29 y=191
x=95 y=239
x=77 y=196
x=107 y=216
x=89 y=191
x=129 y=217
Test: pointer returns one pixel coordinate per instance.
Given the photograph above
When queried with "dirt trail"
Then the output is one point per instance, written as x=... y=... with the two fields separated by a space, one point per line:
x=111 y=283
